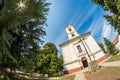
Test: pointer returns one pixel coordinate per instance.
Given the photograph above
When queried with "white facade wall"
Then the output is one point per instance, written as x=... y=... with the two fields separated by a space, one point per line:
x=65 y=52
x=72 y=66
x=73 y=53
x=69 y=54
x=99 y=55
x=92 y=44
x=94 y=48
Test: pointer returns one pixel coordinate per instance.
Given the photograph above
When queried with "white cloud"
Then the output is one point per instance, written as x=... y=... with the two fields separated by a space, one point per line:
x=49 y=1
x=60 y=39
x=92 y=27
x=85 y=17
x=107 y=29
x=96 y=25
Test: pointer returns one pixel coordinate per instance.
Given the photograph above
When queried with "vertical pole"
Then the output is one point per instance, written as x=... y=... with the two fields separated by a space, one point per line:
x=85 y=48
x=93 y=64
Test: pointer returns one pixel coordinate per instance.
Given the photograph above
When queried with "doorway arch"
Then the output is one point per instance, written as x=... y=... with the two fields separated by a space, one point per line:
x=84 y=62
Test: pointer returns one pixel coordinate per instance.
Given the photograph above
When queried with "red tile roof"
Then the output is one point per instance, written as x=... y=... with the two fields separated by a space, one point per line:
x=116 y=39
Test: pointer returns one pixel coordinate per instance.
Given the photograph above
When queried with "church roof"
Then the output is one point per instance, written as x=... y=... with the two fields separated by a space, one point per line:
x=82 y=35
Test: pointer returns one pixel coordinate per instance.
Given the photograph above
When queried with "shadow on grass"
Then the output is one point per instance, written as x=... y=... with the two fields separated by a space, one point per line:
x=11 y=76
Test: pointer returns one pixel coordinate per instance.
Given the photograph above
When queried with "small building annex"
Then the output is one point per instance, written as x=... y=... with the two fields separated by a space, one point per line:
x=116 y=41
x=79 y=51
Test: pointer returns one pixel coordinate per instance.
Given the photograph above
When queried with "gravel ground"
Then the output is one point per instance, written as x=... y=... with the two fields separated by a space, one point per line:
x=105 y=73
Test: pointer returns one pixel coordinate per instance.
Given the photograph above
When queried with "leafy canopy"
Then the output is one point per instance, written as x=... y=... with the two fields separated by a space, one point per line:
x=111 y=49
x=102 y=47
x=22 y=29
x=113 y=6
x=48 y=61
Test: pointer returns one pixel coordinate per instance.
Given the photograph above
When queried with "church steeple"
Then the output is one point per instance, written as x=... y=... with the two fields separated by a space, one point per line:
x=71 y=32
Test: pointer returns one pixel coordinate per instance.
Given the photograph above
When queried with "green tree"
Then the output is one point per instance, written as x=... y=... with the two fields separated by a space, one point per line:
x=113 y=6
x=102 y=47
x=22 y=28
x=48 y=61
x=111 y=49
x=1 y=4
x=60 y=63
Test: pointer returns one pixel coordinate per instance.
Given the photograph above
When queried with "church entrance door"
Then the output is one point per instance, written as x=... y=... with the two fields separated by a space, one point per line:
x=84 y=62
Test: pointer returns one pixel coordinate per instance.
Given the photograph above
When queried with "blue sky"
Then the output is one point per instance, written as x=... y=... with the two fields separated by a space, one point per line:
x=84 y=15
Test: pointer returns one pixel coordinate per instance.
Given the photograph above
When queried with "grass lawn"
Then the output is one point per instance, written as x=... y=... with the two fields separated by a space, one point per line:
x=105 y=73
x=114 y=58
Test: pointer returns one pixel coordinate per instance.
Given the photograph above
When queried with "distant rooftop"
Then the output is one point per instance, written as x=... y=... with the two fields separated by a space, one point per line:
x=116 y=39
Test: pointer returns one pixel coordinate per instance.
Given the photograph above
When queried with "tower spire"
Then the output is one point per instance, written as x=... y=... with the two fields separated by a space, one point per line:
x=71 y=32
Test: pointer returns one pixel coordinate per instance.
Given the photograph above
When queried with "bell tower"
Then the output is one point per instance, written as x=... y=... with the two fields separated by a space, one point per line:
x=71 y=32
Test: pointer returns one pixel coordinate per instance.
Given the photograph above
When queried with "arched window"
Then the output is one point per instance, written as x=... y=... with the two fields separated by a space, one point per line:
x=79 y=48
x=70 y=29
x=73 y=35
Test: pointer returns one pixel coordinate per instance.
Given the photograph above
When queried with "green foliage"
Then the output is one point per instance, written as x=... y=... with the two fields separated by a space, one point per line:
x=22 y=29
x=113 y=6
x=48 y=61
x=60 y=63
x=1 y=4
x=111 y=49
x=102 y=47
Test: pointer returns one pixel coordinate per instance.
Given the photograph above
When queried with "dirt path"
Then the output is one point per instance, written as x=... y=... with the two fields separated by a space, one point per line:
x=105 y=73
x=80 y=76
x=114 y=63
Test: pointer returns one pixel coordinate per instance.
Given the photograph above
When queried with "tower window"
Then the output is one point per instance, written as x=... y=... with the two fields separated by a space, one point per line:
x=79 y=48
x=70 y=29
x=73 y=35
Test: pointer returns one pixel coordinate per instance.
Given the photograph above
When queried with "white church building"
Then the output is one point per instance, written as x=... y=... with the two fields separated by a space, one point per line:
x=79 y=51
